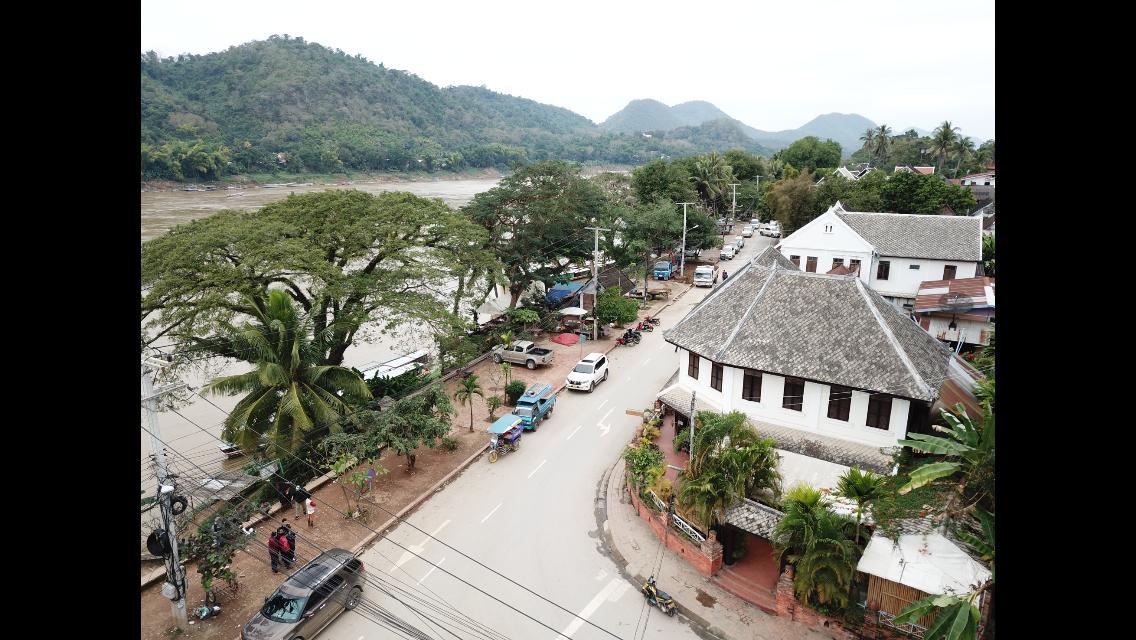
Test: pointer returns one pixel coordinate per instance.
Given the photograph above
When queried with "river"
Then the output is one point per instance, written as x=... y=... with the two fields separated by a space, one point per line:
x=164 y=210
x=160 y=212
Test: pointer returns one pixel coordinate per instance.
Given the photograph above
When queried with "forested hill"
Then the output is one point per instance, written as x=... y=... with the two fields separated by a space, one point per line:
x=286 y=104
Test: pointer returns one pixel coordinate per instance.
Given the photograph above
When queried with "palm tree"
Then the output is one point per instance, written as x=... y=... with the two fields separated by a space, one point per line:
x=798 y=529
x=862 y=487
x=468 y=388
x=869 y=140
x=942 y=141
x=883 y=141
x=708 y=495
x=710 y=175
x=964 y=146
x=825 y=571
x=287 y=392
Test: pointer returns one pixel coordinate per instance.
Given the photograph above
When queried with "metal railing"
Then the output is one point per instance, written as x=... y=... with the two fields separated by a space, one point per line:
x=888 y=620
x=676 y=520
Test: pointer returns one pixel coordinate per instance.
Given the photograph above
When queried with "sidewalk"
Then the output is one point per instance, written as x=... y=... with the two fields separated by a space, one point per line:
x=635 y=548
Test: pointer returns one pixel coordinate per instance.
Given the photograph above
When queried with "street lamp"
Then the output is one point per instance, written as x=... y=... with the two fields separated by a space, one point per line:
x=682 y=257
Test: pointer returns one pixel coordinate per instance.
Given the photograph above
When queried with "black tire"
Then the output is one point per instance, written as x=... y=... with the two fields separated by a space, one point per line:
x=497 y=358
x=531 y=364
x=353 y=599
x=606 y=371
x=592 y=387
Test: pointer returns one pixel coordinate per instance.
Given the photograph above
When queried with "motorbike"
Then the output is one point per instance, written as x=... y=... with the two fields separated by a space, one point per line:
x=652 y=321
x=627 y=340
x=658 y=598
x=644 y=326
x=633 y=332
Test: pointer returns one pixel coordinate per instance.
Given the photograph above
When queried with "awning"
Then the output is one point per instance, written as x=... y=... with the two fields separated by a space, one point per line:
x=930 y=563
x=574 y=311
x=754 y=518
x=678 y=399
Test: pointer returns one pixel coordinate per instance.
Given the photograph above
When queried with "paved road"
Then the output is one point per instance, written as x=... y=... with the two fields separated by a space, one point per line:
x=531 y=516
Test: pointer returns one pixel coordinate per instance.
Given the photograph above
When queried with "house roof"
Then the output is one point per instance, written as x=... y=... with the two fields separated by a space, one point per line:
x=828 y=329
x=905 y=235
x=955 y=295
x=924 y=170
x=984 y=174
x=754 y=517
x=840 y=270
x=930 y=563
x=770 y=256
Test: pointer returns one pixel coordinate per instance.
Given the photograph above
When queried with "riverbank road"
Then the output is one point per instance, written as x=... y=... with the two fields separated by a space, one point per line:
x=533 y=516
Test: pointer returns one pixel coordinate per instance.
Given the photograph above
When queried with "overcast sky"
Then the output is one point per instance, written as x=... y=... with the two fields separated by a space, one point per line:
x=772 y=65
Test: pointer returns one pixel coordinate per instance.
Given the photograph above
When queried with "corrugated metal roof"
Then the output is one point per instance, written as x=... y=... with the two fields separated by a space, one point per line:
x=961 y=294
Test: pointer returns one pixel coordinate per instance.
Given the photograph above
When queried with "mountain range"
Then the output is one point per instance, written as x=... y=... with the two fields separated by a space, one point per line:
x=283 y=103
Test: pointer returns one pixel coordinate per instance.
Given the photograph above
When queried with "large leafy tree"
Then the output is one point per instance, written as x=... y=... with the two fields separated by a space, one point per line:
x=535 y=220
x=793 y=201
x=662 y=180
x=809 y=152
x=925 y=194
x=349 y=259
x=288 y=393
x=710 y=175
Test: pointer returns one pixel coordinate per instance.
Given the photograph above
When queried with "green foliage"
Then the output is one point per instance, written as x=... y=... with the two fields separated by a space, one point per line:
x=523 y=317
x=681 y=441
x=650 y=432
x=401 y=385
x=809 y=152
x=988 y=253
x=340 y=254
x=611 y=306
x=662 y=180
x=533 y=219
x=406 y=425
x=455 y=349
x=957 y=620
x=793 y=202
x=182 y=160
x=513 y=391
x=287 y=393
x=927 y=194
x=645 y=464
x=864 y=487
x=493 y=403
x=449 y=443
x=820 y=544
x=967 y=457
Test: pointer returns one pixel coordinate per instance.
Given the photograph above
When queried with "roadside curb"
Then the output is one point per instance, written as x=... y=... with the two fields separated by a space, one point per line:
x=637 y=580
x=417 y=502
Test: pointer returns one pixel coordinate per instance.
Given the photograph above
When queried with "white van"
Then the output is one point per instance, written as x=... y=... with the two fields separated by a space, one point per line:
x=704 y=276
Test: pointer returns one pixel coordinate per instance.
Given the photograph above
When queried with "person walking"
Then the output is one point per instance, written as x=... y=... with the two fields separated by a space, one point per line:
x=311 y=509
x=724 y=275
x=275 y=549
x=300 y=495
x=290 y=536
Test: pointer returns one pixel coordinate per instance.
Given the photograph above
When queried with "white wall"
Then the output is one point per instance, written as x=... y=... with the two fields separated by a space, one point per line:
x=972 y=329
x=812 y=418
x=903 y=281
x=814 y=239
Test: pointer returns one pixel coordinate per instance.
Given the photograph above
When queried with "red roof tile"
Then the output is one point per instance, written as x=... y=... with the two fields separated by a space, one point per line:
x=962 y=293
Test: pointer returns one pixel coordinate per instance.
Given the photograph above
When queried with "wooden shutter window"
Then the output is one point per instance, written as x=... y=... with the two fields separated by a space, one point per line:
x=839 y=402
x=794 y=396
x=751 y=386
x=883 y=270
x=795 y=260
x=692 y=365
x=716 y=376
x=879 y=411
x=949 y=272
x=811 y=265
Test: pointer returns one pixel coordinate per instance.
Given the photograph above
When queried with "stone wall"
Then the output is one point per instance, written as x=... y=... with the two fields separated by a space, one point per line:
x=705 y=558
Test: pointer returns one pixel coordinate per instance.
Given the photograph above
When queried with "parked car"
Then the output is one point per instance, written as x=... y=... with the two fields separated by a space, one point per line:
x=754 y=222
x=663 y=270
x=692 y=253
x=704 y=276
x=522 y=352
x=739 y=241
x=728 y=252
x=588 y=372
x=537 y=402
x=775 y=229
x=309 y=599
x=747 y=231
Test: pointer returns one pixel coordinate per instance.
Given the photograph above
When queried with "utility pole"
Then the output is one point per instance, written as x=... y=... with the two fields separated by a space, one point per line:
x=682 y=256
x=596 y=282
x=734 y=206
x=692 y=395
x=174 y=589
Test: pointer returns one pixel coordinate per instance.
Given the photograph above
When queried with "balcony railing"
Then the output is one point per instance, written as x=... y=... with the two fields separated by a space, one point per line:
x=888 y=620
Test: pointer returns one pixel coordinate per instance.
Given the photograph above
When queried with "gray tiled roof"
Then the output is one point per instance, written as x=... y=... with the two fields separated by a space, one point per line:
x=918 y=236
x=771 y=256
x=828 y=329
x=754 y=517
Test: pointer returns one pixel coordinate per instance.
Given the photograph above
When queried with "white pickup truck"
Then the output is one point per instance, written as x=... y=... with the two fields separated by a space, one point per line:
x=522 y=352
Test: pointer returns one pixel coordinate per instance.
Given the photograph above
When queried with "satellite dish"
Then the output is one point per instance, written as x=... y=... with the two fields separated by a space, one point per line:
x=158 y=542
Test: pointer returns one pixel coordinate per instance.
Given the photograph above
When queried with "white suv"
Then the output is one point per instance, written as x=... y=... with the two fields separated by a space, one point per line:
x=588 y=372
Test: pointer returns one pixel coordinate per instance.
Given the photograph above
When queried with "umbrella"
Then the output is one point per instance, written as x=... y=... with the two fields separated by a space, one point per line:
x=574 y=311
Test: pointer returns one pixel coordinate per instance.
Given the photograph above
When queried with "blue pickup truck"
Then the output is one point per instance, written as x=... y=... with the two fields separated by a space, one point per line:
x=535 y=404
x=664 y=269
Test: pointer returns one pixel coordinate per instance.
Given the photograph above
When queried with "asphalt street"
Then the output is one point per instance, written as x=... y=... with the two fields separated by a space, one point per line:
x=532 y=516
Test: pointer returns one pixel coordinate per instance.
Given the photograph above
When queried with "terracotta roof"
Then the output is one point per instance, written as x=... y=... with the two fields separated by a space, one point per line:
x=829 y=329
x=840 y=270
x=906 y=235
x=924 y=170
x=955 y=295
x=770 y=256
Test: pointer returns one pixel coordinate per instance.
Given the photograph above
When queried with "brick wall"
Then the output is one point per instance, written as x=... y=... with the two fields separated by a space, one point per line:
x=705 y=558
x=789 y=607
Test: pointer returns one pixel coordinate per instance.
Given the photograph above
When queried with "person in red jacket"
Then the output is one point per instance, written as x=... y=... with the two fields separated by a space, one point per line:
x=277 y=547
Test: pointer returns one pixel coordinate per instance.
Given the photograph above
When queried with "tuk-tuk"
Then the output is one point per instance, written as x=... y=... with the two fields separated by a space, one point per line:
x=505 y=435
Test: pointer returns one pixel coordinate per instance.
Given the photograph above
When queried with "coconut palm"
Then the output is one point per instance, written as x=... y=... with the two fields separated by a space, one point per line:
x=287 y=392
x=862 y=487
x=710 y=175
x=798 y=530
x=869 y=140
x=824 y=572
x=468 y=388
x=883 y=141
x=964 y=147
x=943 y=140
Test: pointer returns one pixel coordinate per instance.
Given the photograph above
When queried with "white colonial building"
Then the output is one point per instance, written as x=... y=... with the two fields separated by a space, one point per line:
x=820 y=363
x=893 y=253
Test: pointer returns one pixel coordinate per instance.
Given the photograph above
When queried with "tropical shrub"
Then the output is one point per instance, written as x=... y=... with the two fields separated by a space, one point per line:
x=644 y=464
x=513 y=391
